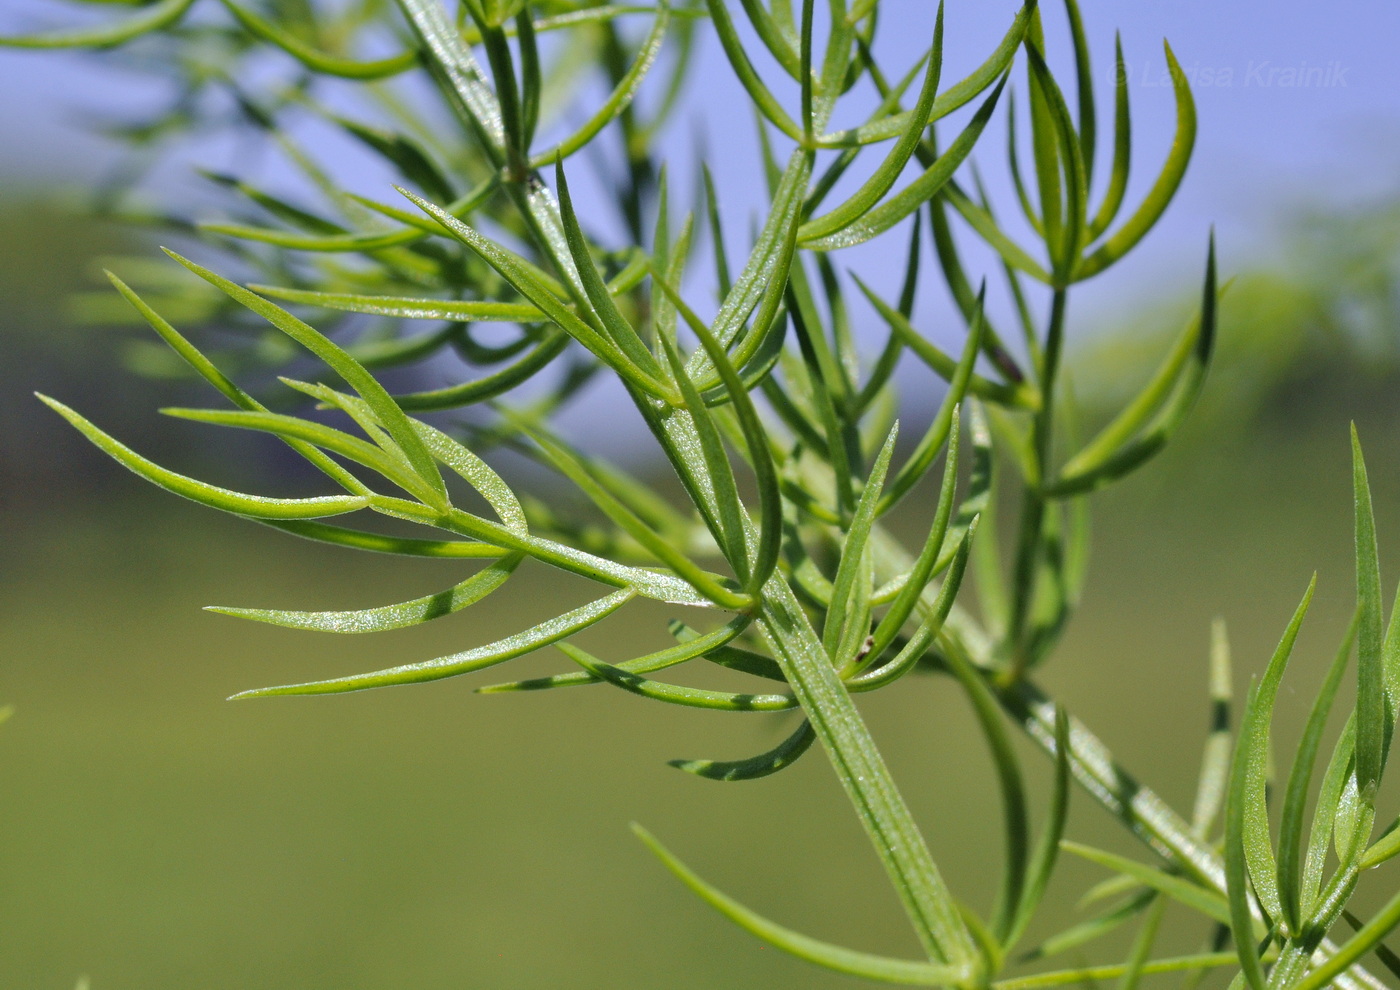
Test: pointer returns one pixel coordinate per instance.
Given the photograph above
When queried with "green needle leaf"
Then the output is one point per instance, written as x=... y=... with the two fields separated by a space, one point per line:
x=881 y=218
x=735 y=52
x=379 y=543
x=883 y=178
x=821 y=953
x=674 y=694
x=1370 y=674
x=560 y=627
x=848 y=619
x=696 y=645
x=1097 y=926
x=254 y=506
x=1198 y=898
x=1250 y=750
x=160 y=15
x=1122 y=148
x=516 y=271
x=1086 y=976
x=412 y=613
x=1215 y=763
x=1370 y=935
x=783 y=755
x=1042 y=861
x=1290 y=832
x=335 y=357
x=620 y=98
x=1171 y=395
x=314 y=59
x=1163 y=190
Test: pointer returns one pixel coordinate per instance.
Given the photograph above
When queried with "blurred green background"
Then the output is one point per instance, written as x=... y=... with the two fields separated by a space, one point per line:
x=154 y=836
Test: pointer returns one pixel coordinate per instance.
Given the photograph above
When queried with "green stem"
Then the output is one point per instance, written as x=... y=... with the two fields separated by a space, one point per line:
x=865 y=778
x=1033 y=503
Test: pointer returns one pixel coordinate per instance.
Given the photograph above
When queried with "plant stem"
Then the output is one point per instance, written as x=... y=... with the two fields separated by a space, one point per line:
x=1033 y=503
x=865 y=778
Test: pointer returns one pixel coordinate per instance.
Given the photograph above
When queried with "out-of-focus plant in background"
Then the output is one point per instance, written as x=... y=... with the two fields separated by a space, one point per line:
x=469 y=315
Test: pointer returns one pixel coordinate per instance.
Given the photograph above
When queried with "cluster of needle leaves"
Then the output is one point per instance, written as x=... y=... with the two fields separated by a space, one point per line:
x=777 y=419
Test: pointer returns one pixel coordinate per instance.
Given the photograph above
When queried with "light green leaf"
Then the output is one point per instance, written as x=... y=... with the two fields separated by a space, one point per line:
x=935 y=616
x=925 y=564
x=1250 y=750
x=314 y=59
x=1370 y=673
x=941 y=363
x=941 y=425
x=894 y=209
x=674 y=694
x=1097 y=926
x=556 y=629
x=335 y=357
x=1122 y=148
x=847 y=621
x=1290 y=832
x=735 y=51
x=1163 y=190
x=335 y=441
x=1087 y=974
x=386 y=617
x=159 y=16
x=514 y=270
x=254 y=506
x=1042 y=862
x=821 y=953
x=379 y=543
x=953 y=98
x=1215 y=763
x=688 y=649
x=883 y=178
x=1198 y=898
x=1381 y=924
x=783 y=755
x=620 y=98
x=1101 y=461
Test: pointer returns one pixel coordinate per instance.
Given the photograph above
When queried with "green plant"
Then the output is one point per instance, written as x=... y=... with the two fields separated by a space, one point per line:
x=780 y=433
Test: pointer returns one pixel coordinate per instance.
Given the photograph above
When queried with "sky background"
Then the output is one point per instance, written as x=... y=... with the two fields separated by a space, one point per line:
x=1298 y=102
x=1262 y=142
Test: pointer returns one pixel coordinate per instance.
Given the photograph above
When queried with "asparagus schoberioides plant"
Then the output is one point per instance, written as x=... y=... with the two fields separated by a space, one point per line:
x=778 y=420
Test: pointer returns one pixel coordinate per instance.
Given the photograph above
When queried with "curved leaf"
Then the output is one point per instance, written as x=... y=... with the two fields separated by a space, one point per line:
x=1159 y=197
x=313 y=58
x=386 y=617
x=822 y=953
x=881 y=218
x=532 y=639
x=254 y=506
x=161 y=15
x=674 y=694
x=780 y=756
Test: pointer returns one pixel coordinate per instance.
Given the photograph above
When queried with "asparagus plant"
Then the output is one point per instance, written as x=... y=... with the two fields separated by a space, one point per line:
x=776 y=417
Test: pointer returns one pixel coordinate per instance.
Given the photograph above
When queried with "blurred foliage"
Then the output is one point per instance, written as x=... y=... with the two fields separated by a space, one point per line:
x=1300 y=332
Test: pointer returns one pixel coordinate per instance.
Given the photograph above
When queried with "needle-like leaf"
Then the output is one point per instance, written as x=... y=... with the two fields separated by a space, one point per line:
x=253 y=506
x=778 y=758
x=335 y=357
x=675 y=694
x=159 y=16
x=386 y=617
x=1370 y=674
x=1194 y=896
x=537 y=637
x=842 y=960
x=1163 y=190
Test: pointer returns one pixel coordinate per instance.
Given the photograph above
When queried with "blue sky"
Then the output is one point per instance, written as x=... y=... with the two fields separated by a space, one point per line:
x=1298 y=100
x=1299 y=103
